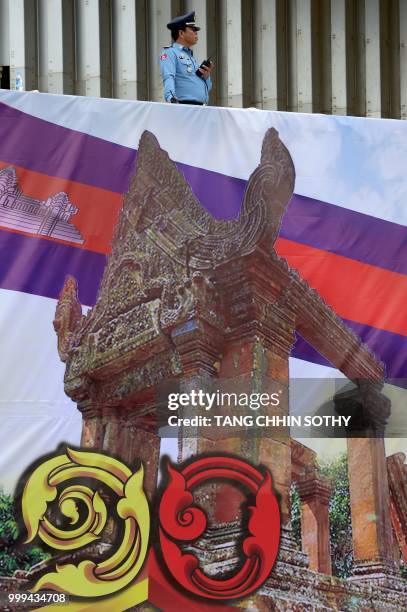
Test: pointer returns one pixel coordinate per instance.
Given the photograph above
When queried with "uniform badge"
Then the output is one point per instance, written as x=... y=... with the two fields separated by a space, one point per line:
x=164 y=56
x=189 y=69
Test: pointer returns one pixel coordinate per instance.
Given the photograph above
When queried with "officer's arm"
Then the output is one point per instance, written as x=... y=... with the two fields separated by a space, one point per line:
x=168 y=68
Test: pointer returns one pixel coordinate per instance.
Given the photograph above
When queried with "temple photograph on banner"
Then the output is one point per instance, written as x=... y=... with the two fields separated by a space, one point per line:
x=211 y=335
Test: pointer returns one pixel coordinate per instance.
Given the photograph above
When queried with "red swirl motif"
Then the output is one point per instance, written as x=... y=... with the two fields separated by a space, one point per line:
x=180 y=520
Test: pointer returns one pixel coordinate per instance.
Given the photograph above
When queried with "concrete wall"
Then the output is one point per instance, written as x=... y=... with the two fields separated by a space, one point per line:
x=330 y=56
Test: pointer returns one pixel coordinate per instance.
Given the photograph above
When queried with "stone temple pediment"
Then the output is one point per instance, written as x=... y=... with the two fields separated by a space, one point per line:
x=174 y=269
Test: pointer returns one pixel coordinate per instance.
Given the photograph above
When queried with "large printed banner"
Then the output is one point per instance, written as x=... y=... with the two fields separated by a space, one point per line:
x=65 y=164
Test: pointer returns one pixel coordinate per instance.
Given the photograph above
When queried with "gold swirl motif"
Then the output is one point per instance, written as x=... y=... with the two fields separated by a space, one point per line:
x=88 y=579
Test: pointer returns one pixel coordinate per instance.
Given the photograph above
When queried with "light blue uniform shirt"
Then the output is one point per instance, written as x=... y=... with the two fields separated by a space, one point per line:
x=178 y=67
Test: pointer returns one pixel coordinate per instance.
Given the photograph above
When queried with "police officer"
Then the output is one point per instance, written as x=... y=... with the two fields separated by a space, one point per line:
x=185 y=81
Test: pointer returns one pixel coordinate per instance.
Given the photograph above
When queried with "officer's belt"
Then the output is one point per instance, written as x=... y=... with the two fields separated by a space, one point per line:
x=191 y=102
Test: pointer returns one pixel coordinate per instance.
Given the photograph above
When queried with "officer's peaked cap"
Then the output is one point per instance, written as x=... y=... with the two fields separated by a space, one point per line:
x=181 y=22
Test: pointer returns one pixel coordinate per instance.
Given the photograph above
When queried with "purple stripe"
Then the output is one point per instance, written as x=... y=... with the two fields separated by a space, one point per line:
x=303 y=350
x=39 y=267
x=45 y=147
x=389 y=347
x=311 y=222
x=42 y=265
x=221 y=195
x=76 y=156
x=346 y=232
x=87 y=159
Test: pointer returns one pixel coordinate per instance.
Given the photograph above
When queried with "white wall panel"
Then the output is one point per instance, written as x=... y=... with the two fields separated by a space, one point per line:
x=93 y=46
x=22 y=26
x=331 y=56
x=56 y=46
x=338 y=57
x=403 y=58
x=124 y=48
x=160 y=12
x=4 y=33
x=372 y=58
x=230 y=76
x=265 y=73
x=43 y=55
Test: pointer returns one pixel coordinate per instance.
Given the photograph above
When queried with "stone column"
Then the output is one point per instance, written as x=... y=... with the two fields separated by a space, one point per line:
x=372 y=534
x=370 y=507
x=199 y=345
x=262 y=325
x=249 y=354
x=131 y=439
x=92 y=425
x=146 y=446
x=112 y=429
x=315 y=492
x=397 y=475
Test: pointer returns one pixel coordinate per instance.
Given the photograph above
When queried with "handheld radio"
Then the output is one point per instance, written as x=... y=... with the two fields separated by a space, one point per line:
x=206 y=63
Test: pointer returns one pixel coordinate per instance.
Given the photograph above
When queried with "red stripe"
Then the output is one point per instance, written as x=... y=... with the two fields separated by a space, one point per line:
x=98 y=208
x=355 y=290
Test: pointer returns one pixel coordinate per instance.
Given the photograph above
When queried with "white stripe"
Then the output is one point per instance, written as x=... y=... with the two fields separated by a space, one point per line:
x=35 y=413
x=353 y=162
x=31 y=370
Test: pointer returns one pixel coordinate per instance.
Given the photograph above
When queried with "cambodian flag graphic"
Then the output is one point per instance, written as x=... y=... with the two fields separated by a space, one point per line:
x=65 y=163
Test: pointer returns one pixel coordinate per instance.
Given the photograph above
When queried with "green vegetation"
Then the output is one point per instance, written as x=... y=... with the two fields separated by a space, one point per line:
x=339 y=515
x=296 y=514
x=13 y=554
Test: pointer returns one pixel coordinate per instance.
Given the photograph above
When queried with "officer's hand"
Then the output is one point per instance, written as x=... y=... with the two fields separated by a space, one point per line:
x=206 y=70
